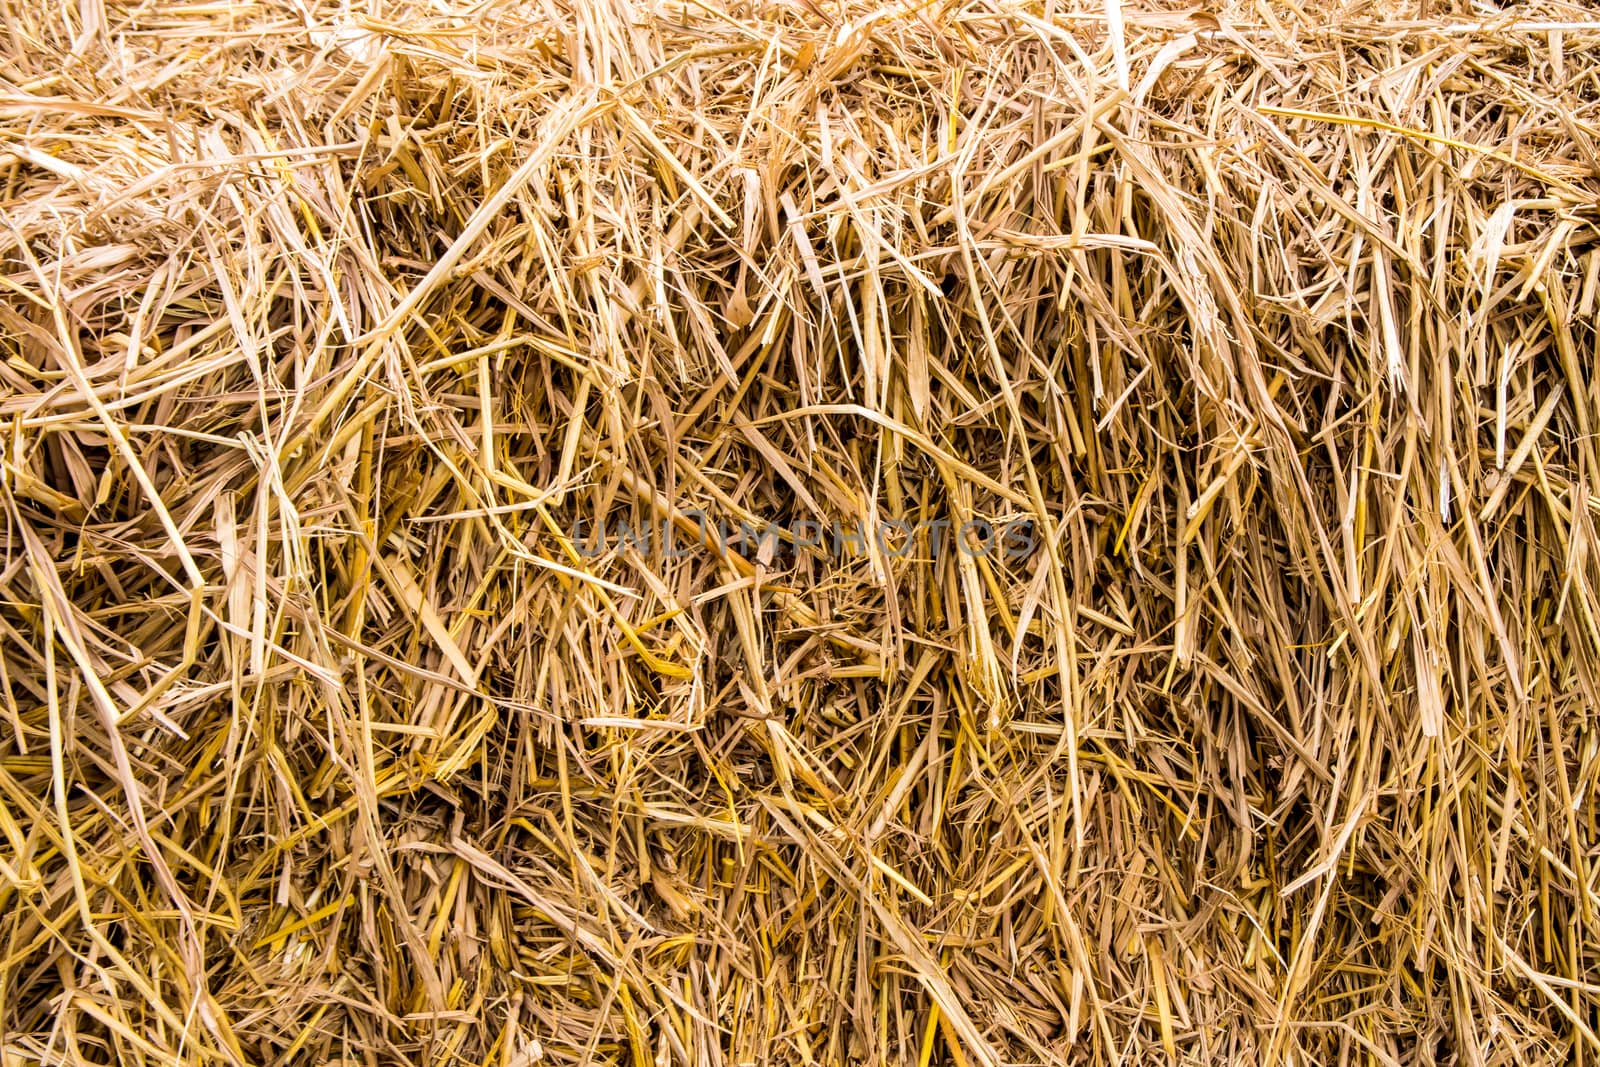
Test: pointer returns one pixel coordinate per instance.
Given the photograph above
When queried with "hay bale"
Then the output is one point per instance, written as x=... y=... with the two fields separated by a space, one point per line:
x=798 y=533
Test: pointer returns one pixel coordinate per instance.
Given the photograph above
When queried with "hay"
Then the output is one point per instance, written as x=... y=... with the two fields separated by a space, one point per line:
x=357 y=711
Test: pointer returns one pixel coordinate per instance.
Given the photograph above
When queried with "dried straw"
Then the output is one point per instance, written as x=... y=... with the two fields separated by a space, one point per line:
x=327 y=738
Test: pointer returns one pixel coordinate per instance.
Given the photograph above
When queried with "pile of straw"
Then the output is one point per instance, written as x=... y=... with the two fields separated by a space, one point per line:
x=799 y=533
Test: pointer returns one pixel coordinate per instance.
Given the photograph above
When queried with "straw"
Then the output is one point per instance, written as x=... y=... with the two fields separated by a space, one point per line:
x=799 y=533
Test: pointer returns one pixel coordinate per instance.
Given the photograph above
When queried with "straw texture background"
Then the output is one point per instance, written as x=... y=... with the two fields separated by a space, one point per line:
x=326 y=739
